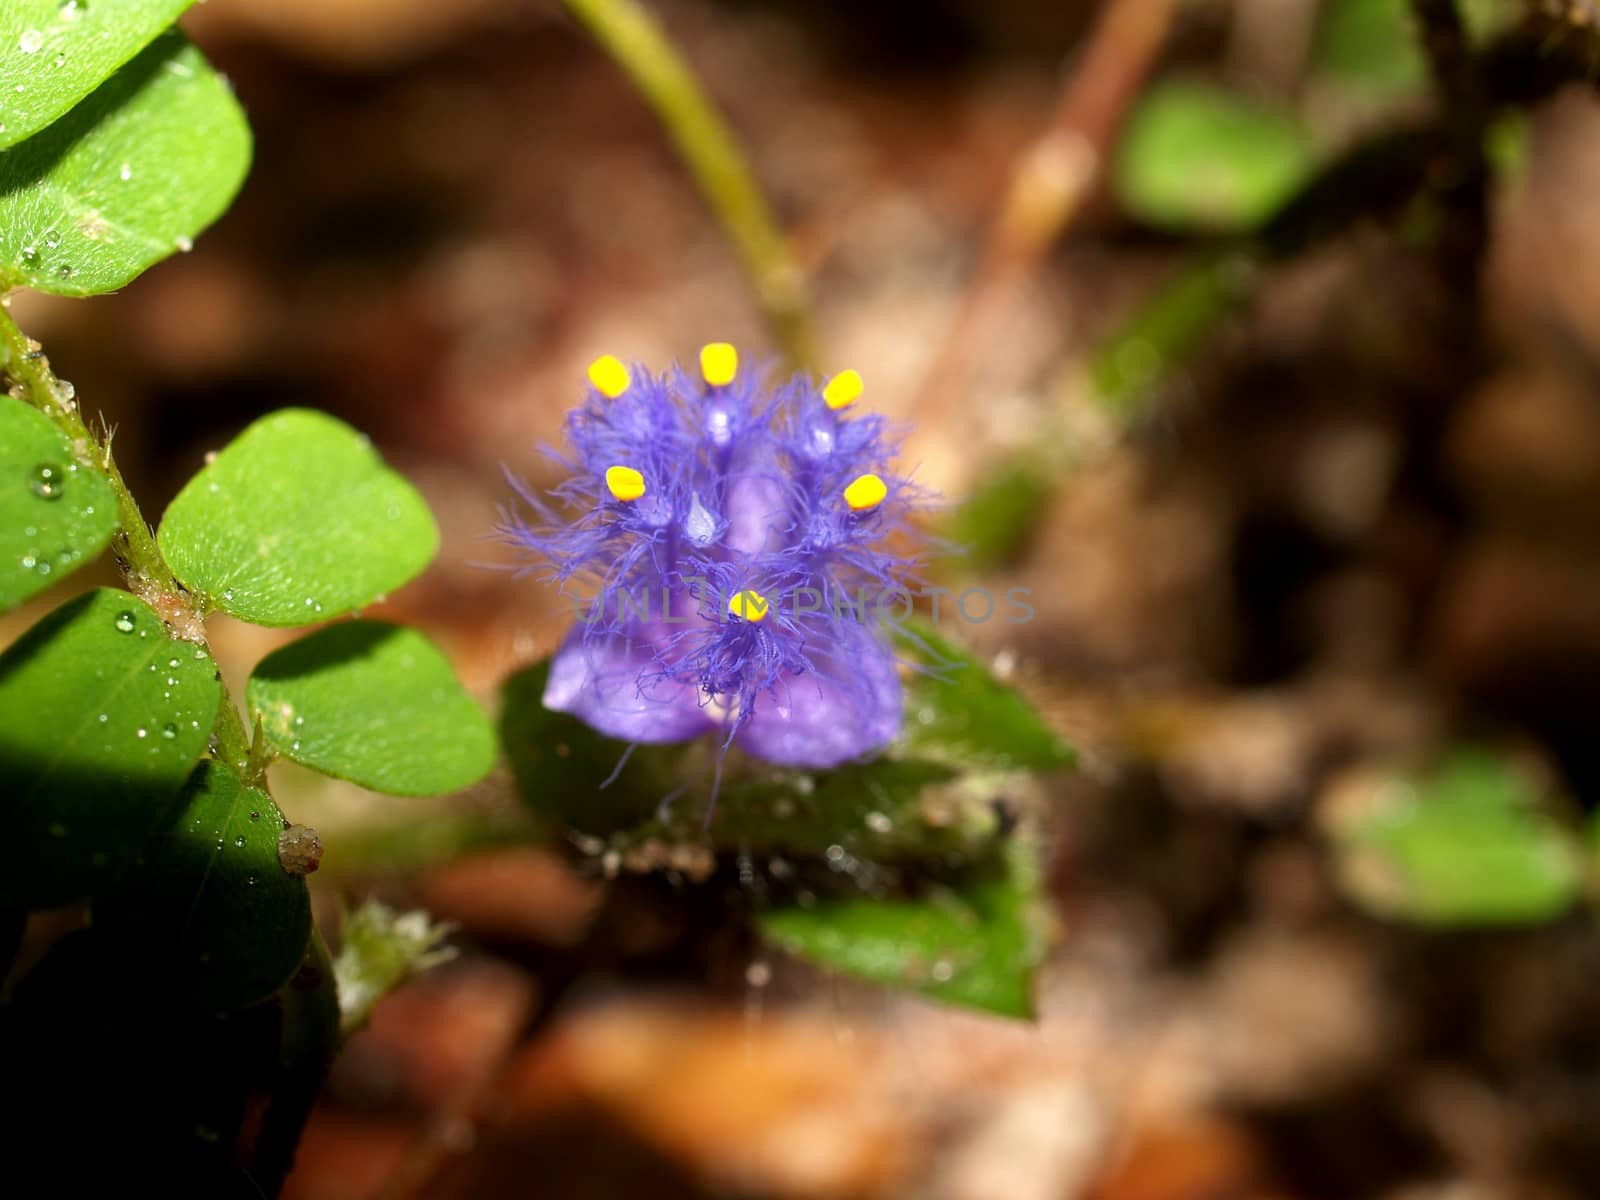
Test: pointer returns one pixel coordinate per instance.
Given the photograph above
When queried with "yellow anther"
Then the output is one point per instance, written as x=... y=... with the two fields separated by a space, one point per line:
x=750 y=605
x=843 y=390
x=864 y=492
x=609 y=376
x=625 y=483
x=719 y=363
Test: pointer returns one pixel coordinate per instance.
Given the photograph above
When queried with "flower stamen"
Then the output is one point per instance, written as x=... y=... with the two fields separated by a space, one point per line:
x=624 y=482
x=749 y=604
x=865 y=492
x=609 y=376
x=843 y=390
x=719 y=363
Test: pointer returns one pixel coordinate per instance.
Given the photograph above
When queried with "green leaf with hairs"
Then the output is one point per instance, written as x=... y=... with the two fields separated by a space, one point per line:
x=374 y=703
x=220 y=916
x=127 y=178
x=975 y=941
x=296 y=521
x=55 y=515
x=102 y=715
x=53 y=53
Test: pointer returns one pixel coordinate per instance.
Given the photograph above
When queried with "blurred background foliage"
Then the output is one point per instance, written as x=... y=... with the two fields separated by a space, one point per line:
x=1268 y=362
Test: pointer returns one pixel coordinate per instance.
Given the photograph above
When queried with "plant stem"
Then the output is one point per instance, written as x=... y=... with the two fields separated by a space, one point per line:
x=30 y=374
x=634 y=39
x=1050 y=181
x=1449 y=51
x=143 y=567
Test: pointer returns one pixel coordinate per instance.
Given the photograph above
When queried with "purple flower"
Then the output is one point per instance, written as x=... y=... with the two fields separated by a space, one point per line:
x=732 y=543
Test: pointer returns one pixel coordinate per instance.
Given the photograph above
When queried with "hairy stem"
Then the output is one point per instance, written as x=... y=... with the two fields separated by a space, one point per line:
x=143 y=568
x=35 y=383
x=634 y=39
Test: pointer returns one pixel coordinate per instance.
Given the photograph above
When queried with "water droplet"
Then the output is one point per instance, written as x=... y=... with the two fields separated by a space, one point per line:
x=103 y=718
x=879 y=822
x=184 y=244
x=125 y=173
x=169 y=732
x=71 y=10
x=141 y=733
x=47 y=481
x=30 y=41
x=173 y=663
x=52 y=238
x=66 y=270
x=254 y=815
x=239 y=841
x=29 y=561
x=124 y=622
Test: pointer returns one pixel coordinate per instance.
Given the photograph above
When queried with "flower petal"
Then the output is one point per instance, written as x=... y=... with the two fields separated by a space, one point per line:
x=758 y=514
x=614 y=684
x=846 y=709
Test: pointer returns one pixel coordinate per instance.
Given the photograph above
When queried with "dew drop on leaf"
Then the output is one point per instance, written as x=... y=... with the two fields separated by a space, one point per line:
x=47 y=481
x=124 y=622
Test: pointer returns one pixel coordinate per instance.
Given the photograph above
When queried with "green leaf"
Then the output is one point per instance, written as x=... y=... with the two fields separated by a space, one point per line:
x=102 y=715
x=296 y=521
x=958 y=713
x=55 y=515
x=53 y=53
x=1371 y=44
x=995 y=522
x=1197 y=157
x=1374 y=45
x=382 y=949
x=128 y=177
x=210 y=899
x=1168 y=328
x=887 y=810
x=1462 y=844
x=977 y=942
x=559 y=764
x=374 y=703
